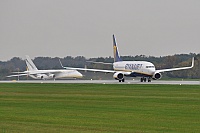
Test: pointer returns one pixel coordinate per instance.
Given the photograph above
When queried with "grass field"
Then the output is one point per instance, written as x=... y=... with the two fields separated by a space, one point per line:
x=99 y=108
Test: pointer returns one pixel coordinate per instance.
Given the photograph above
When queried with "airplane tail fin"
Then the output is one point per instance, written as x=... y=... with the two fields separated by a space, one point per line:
x=31 y=66
x=115 y=51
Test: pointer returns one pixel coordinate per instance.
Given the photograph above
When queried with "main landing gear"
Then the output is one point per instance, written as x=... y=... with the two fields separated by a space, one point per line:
x=122 y=80
x=143 y=79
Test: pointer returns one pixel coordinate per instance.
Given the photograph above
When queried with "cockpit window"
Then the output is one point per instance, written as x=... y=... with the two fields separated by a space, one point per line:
x=150 y=67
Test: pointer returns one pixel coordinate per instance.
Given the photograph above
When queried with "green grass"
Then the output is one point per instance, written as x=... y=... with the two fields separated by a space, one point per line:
x=99 y=108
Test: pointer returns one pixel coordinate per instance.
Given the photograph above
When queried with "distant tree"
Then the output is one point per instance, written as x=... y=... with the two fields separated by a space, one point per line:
x=177 y=60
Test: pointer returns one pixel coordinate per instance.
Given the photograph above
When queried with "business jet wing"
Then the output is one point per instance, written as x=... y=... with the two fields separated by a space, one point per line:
x=175 y=69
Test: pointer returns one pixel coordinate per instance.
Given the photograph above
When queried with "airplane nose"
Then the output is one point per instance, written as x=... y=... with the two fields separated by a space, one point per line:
x=151 y=71
x=79 y=75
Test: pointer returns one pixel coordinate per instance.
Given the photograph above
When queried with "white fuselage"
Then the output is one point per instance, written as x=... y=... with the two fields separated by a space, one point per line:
x=48 y=74
x=140 y=67
x=144 y=69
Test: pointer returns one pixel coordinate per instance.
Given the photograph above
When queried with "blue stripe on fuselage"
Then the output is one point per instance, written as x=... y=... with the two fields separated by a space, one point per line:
x=136 y=74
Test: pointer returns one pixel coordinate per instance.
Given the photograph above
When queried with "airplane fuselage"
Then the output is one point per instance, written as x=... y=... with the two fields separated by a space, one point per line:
x=47 y=74
x=144 y=69
x=135 y=68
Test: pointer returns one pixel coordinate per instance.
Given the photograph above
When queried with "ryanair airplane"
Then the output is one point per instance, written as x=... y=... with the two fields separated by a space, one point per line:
x=144 y=69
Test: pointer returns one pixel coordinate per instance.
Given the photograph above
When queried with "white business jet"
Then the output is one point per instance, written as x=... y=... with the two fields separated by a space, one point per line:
x=33 y=72
x=144 y=69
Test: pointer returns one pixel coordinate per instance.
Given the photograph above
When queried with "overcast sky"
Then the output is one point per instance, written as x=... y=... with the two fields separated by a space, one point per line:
x=60 y=28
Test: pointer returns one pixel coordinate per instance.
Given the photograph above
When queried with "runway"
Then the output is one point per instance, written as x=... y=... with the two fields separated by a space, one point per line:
x=106 y=82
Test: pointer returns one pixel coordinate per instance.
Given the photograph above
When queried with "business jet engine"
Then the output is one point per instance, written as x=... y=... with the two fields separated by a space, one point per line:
x=118 y=76
x=157 y=76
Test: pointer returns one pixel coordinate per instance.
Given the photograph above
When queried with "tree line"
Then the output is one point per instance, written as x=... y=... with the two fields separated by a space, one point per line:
x=178 y=60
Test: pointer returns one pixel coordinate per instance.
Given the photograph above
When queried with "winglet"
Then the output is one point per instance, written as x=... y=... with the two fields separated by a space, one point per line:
x=192 y=62
x=115 y=50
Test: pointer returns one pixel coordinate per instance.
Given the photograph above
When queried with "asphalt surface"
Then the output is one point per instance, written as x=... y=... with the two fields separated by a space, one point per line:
x=106 y=82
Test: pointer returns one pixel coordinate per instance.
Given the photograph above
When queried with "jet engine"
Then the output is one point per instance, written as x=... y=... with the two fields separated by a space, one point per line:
x=52 y=76
x=40 y=76
x=118 y=76
x=157 y=76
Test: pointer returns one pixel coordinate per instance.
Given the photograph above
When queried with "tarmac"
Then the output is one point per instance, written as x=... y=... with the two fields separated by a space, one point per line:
x=182 y=82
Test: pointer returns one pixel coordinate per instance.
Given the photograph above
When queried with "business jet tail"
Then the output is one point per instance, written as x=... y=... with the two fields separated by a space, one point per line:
x=115 y=51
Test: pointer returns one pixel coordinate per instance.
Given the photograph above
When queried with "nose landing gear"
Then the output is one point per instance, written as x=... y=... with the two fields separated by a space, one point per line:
x=122 y=80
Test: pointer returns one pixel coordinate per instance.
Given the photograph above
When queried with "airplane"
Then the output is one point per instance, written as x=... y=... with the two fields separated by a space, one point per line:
x=34 y=73
x=144 y=69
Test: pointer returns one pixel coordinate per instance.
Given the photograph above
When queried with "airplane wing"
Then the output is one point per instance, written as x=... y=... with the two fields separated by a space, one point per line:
x=98 y=70
x=175 y=69
x=100 y=62
x=93 y=70
x=16 y=75
x=21 y=72
x=85 y=69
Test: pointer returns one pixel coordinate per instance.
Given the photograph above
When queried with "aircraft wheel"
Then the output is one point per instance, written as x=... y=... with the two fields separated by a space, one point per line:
x=123 y=80
x=141 y=80
x=145 y=79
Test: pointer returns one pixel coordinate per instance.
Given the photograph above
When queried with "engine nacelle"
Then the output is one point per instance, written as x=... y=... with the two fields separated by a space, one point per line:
x=52 y=76
x=40 y=76
x=118 y=76
x=157 y=76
